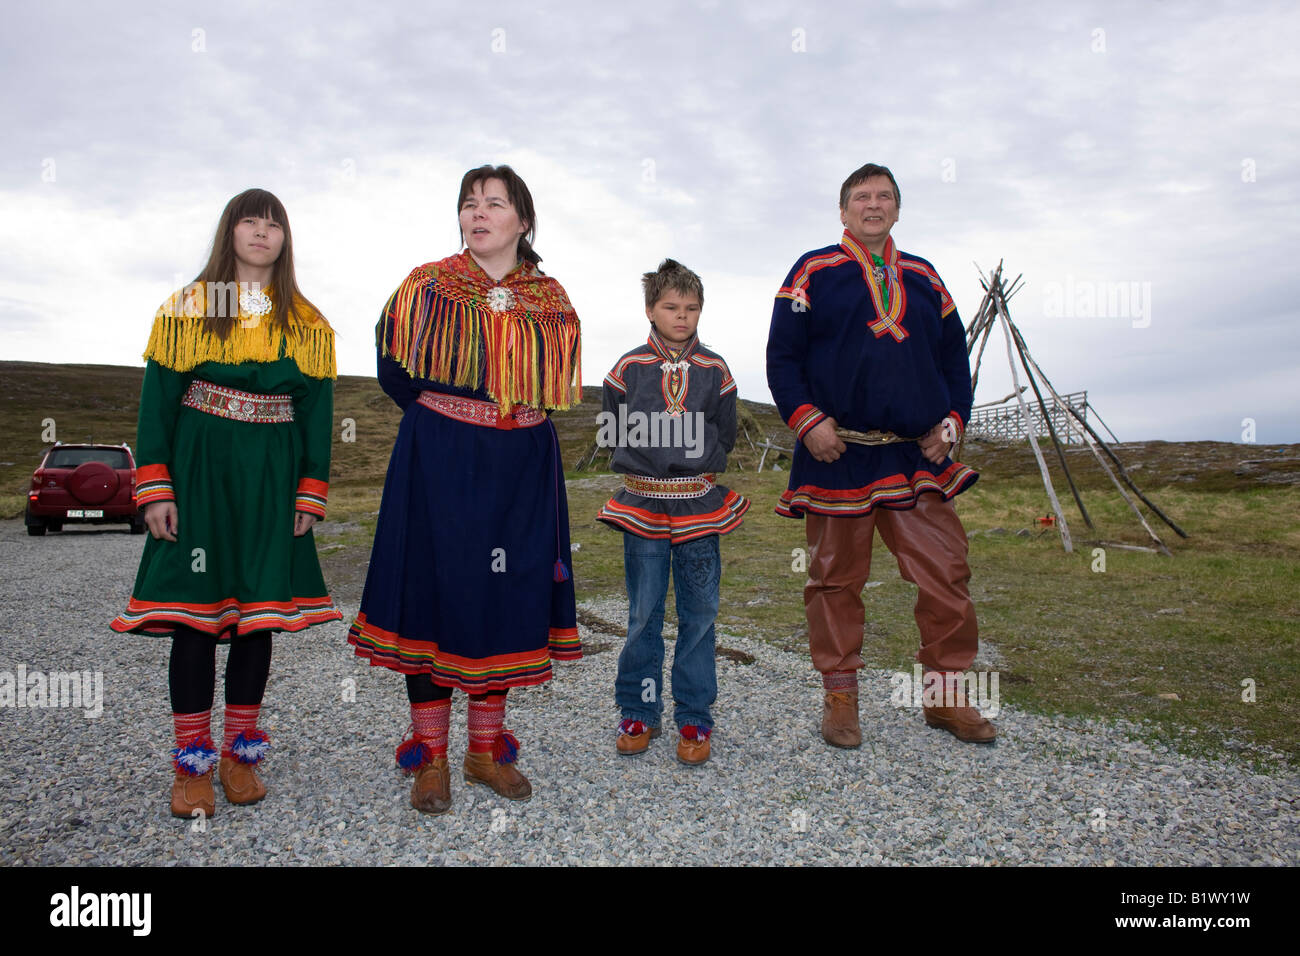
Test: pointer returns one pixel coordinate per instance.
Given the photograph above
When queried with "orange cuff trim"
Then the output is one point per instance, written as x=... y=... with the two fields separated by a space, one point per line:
x=312 y=496
x=145 y=473
x=153 y=483
x=805 y=419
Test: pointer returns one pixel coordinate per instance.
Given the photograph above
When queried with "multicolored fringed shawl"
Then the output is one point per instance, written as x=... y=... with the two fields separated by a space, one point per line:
x=180 y=342
x=450 y=323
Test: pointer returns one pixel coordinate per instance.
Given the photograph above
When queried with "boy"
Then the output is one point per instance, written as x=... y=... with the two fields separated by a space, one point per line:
x=670 y=414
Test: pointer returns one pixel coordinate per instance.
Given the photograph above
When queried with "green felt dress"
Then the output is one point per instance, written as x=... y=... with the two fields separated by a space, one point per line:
x=235 y=566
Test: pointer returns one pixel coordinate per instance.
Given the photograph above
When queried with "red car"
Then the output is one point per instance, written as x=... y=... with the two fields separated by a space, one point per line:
x=83 y=484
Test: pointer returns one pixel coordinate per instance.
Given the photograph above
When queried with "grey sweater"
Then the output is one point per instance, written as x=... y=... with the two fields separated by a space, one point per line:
x=670 y=417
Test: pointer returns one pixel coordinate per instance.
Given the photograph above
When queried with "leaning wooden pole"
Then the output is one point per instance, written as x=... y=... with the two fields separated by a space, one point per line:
x=1033 y=439
x=975 y=373
x=1088 y=440
x=1070 y=410
x=980 y=327
x=1051 y=429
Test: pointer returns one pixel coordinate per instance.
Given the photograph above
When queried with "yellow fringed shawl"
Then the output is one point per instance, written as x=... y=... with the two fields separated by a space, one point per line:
x=179 y=341
x=438 y=326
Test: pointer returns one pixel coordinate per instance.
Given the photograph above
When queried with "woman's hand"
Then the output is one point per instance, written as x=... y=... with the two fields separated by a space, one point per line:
x=302 y=523
x=162 y=519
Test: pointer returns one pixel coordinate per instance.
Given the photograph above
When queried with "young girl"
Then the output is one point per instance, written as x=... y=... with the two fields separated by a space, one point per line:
x=233 y=467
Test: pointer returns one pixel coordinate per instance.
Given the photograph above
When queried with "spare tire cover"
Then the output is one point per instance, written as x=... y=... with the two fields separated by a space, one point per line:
x=93 y=483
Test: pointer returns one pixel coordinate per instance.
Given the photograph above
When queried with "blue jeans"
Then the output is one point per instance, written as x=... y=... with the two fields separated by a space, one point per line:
x=697 y=571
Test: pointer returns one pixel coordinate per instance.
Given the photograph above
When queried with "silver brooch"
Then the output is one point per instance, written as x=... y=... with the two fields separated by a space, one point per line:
x=254 y=303
x=500 y=299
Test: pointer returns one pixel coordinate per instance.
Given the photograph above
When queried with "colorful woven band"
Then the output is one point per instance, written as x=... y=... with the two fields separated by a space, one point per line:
x=475 y=412
x=697 y=486
x=241 y=406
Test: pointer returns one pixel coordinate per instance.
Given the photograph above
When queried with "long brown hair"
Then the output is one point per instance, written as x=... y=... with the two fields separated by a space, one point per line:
x=519 y=196
x=288 y=300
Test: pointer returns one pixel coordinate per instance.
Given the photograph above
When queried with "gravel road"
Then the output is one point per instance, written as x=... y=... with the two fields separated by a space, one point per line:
x=77 y=789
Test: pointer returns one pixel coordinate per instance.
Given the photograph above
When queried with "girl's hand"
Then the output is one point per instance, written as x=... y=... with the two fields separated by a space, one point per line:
x=302 y=523
x=162 y=519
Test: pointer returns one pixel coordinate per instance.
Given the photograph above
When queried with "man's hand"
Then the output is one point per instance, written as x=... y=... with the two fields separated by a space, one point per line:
x=822 y=441
x=302 y=523
x=937 y=442
x=162 y=519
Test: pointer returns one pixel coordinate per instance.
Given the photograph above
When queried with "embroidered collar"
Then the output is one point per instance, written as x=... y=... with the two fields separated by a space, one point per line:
x=523 y=268
x=445 y=324
x=854 y=248
x=665 y=351
x=524 y=290
x=885 y=285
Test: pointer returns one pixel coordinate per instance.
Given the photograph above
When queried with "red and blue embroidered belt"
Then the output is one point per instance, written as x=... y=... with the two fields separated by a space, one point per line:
x=241 y=406
x=477 y=412
x=696 y=486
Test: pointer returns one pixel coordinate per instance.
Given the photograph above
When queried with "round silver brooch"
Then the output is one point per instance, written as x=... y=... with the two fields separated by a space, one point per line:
x=254 y=303
x=500 y=299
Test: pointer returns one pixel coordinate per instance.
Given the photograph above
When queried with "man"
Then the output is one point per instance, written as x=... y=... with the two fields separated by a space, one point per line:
x=867 y=362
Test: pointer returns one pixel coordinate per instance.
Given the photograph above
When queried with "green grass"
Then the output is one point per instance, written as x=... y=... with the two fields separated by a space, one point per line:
x=1072 y=640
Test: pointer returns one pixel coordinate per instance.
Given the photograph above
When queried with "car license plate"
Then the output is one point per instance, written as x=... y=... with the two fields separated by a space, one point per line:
x=85 y=513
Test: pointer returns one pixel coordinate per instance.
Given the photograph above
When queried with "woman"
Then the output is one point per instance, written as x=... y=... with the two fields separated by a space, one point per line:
x=469 y=584
x=233 y=469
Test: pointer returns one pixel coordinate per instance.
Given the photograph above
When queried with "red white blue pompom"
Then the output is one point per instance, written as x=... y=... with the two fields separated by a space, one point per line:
x=196 y=758
x=250 y=746
x=693 y=732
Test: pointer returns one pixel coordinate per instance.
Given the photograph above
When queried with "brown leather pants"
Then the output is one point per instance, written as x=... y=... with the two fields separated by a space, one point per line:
x=929 y=543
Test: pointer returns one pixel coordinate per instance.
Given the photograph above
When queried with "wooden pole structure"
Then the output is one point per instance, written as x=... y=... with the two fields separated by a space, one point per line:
x=1033 y=439
x=1160 y=545
x=1047 y=418
x=1089 y=433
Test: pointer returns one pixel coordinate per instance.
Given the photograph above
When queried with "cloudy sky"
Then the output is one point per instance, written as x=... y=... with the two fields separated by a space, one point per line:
x=1137 y=162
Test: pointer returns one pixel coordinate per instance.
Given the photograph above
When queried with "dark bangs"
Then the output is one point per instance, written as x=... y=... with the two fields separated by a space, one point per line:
x=261 y=205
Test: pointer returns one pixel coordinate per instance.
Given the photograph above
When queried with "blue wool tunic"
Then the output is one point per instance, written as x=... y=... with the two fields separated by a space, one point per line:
x=873 y=355
x=462 y=583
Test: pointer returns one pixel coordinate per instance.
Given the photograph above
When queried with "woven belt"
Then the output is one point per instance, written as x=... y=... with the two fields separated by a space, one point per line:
x=476 y=412
x=871 y=437
x=241 y=406
x=697 y=486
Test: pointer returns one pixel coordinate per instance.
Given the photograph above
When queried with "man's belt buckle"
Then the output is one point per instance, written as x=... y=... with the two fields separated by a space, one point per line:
x=873 y=437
